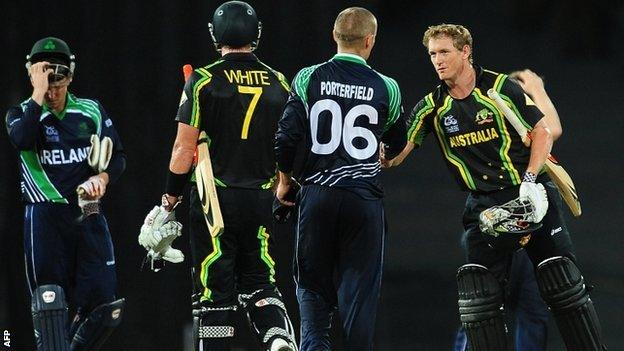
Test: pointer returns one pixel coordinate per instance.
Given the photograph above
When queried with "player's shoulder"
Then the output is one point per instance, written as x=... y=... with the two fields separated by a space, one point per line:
x=279 y=75
x=428 y=102
x=81 y=102
x=387 y=79
x=493 y=80
x=302 y=78
x=206 y=71
x=306 y=72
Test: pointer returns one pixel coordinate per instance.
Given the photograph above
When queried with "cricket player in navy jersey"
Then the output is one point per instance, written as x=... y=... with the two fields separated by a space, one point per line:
x=66 y=144
x=237 y=100
x=340 y=111
x=512 y=202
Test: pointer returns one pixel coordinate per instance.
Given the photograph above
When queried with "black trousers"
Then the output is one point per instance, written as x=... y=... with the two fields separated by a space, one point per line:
x=239 y=260
x=340 y=244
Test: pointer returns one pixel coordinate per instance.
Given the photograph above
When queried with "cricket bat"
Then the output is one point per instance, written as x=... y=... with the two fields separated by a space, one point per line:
x=556 y=172
x=205 y=179
x=206 y=187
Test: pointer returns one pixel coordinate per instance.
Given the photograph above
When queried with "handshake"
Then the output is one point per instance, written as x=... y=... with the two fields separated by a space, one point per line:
x=158 y=232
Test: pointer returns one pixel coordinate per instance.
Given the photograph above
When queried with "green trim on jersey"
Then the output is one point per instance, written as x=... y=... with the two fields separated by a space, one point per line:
x=40 y=178
x=206 y=77
x=89 y=108
x=263 y=236
x=301 y=82
x=505 y=136
x=205 y=266
x=351 y=58
x=413 y=134
x=282 y=78
x=394 y=103
x=456 y=161
x=498 y=87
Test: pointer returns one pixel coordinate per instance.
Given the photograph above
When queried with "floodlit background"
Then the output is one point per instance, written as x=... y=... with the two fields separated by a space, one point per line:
x=129 y=56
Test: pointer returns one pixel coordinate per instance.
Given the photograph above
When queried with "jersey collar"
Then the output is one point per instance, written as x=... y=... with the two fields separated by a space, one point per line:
x=478 y=77
x=70 y=100
x=351 y=58
x=239 y=56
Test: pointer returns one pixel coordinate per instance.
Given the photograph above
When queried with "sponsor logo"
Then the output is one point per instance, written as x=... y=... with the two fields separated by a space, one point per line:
x=61 y=157
x=48 y=296
x=473 y=138
x=51 y=133
x=450 y=124
x=484 y=116
x=556 y=230
x=116 y=313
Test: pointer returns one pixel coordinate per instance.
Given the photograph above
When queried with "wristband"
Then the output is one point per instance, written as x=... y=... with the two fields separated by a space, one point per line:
x=529 y=177
x=175 y=183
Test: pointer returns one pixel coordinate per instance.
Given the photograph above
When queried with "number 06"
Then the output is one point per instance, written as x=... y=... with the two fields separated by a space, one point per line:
x=345 y=133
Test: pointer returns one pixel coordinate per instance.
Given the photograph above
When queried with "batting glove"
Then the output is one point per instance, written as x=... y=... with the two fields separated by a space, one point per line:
x=536 y=194
x=158 y=231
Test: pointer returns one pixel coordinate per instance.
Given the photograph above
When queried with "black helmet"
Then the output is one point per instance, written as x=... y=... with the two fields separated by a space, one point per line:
x=51 y=49
x=235 y=24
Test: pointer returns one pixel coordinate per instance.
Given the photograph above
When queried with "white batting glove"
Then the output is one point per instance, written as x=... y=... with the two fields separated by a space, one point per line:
x=158 y=231
x=536 y=194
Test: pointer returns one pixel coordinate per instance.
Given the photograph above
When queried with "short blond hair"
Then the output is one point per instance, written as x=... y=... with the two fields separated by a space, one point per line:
x=458 y=33
x=354 y=24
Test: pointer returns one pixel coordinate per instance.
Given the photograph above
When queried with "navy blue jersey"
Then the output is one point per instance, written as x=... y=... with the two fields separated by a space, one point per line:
x=481 y=148
x=341 y=110
x=54 y=147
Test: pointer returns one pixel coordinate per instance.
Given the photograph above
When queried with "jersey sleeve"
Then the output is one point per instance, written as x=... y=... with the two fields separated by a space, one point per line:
x=395 y=109
x=417 y=126
x=520 y=103
x=22 y=123
x=189 y=109
x=291 y=129
x=117 y=163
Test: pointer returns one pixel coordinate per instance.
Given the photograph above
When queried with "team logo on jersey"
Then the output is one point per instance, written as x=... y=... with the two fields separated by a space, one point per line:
x=450 y=124
x=484 y=116
x=52 y=135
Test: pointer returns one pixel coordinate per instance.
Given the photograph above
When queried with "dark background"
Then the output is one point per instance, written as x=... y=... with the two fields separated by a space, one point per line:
x=129 y=57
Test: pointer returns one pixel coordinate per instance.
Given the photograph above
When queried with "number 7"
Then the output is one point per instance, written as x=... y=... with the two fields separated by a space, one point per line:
x=256 y=92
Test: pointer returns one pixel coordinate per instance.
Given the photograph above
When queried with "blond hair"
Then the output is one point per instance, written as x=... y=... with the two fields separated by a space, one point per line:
x=458 y=33
x=354 y=24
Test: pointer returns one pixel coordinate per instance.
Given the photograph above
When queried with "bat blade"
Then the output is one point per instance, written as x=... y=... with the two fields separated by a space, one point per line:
x=565 y=185
x=207 y=189
x=556 y=172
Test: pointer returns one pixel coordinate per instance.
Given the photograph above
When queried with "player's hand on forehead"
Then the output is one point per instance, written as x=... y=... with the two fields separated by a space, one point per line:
x=40 y=68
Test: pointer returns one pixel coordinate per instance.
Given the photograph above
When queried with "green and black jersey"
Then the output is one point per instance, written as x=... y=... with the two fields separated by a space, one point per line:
x=481 y=148
x=237 y=100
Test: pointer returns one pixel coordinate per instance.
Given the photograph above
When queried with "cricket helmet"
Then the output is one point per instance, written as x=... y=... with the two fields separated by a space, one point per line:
x=235 y=24
x=53 y=50
x=508 y=226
